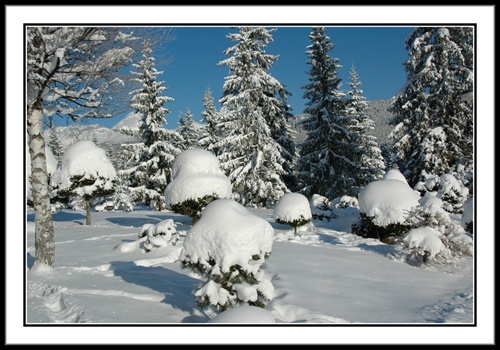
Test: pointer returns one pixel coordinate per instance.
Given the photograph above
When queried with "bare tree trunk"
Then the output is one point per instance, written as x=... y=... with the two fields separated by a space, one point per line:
x=44 y=226
x=87 y=207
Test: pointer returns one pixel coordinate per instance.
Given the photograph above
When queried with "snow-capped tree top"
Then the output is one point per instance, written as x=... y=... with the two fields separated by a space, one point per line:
x=387 y=201
x=196 y=161
x=394 y=174
x=83 y=158
x=230 y=235
x=196 y=174
x=291 y=207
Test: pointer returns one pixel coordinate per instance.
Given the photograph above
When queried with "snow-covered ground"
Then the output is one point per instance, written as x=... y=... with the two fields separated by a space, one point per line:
x=322 y=276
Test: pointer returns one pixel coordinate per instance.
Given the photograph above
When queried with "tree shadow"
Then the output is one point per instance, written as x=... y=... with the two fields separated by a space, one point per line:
x=176 y=287
x=60 y=216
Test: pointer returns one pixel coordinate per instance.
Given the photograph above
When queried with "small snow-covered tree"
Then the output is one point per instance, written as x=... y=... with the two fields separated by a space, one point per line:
x=323 y=166
x=196 y=181
x=229 y=246
x=54 y=144
x=187 y=131
x=293 y=209
x=151 y=158
x=85 y=172
x=70 y=71
x=250 y=106
x=210 y=117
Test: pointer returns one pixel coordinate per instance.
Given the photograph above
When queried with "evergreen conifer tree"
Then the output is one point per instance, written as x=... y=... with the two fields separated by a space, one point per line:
x=150 y=159
x=365 y=151
x=55 y=144
x=210 y=117
x=429 y=112
x=250 y=156
x=187 y=131
x=323 y=167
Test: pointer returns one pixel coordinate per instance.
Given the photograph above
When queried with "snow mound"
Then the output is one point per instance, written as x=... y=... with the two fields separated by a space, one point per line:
x=197 y=161
x=425 y=239
x=244 y=314
x=468 y=213
x=394 y=174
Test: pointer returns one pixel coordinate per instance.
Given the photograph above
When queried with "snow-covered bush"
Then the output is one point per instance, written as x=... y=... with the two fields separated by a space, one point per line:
x=430 y=213
x=229 y=246
x=467 y=219
x=424 y=243
x=447 y=187
x=345 y=202
x=394 y=174
x=384 y=207
x=108 y=205
x=161 y=235
x=321 y=207
x=196 y=181
x=293 y=209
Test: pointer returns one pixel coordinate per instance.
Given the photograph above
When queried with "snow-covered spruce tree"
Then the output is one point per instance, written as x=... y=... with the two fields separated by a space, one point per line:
x=187 y=131
x=229 y=246
x=85 y=172
x=69 y=72
x=364 y=149
x=210 y=117
x=323 y=165
x=429 y=113
x=151 y=158
x=250 y=156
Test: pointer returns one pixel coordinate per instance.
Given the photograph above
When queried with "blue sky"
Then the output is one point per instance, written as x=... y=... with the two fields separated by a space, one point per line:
x=377 y=52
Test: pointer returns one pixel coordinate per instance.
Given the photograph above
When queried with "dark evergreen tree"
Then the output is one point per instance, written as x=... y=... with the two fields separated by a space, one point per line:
x=429 y=113
x=151 y=158
x=250 y=156
x=323 y=167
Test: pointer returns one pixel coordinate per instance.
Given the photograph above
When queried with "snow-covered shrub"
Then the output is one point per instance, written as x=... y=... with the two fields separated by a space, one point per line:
x=160 y=235
x=424 y=243
x=196 y=181
x=345 y=202
x=447 y=187
x=229 y=246
x=321 y=207
x=384 y=207
x=467 y=219
x=293 y=209
x=430 y=213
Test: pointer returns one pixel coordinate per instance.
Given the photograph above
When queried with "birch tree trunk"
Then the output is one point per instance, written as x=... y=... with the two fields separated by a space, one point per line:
x=44 y=226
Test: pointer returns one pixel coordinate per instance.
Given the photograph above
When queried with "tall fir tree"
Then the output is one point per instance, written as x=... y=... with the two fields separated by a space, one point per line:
x=250 y=106
x=323 y=167
x=150 y=159
x=366 y=152
x=210 y=117
x=187 y=131
x=429 y=113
